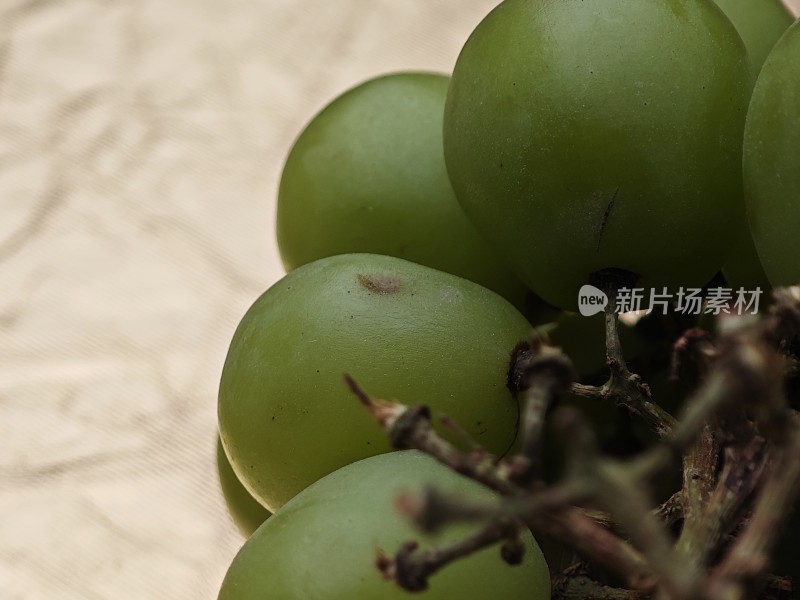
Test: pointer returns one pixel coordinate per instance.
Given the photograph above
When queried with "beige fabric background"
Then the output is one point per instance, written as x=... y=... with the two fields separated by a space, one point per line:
x=140 y=147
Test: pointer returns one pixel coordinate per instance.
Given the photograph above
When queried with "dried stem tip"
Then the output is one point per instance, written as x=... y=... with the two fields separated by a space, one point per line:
x=384 y=412
x=541 y=363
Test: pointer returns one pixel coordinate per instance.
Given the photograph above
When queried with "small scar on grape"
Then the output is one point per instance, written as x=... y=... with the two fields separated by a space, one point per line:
x=606 y=215
x=519 y=356
x=380 y=284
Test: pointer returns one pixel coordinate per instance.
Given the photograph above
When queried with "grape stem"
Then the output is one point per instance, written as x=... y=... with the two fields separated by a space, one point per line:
x=574 y=583
x=551 y=513
x=741 y=572
x=411 y=566
x=623 y=387
x=545 y=373
x=737 y=442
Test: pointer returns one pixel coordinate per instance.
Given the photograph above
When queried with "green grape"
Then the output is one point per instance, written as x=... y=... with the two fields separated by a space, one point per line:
x=322 y=544
x=367 y=175
x=761 y=24
x=246 y=512
x=403 y=331
x=585 y=136
x=772 y=161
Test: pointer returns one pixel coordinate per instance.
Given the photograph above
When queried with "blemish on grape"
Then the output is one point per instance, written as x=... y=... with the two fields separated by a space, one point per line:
x=380 y=284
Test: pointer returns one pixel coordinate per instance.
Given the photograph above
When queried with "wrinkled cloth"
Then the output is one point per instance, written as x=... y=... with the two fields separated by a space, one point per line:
x=141 y=143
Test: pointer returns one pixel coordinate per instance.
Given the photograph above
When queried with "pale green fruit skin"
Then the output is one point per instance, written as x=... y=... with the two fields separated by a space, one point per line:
x=760 y=23
x=322 y=545
x=286 y=416
x=245 y=511
x=367 y=175
x=772 y=161
x=574 y=150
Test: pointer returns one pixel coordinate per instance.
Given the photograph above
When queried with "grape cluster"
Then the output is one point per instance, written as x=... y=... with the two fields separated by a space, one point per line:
x=428 y=222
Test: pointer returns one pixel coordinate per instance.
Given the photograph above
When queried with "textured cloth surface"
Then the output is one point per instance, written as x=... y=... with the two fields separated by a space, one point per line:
x=141 y=143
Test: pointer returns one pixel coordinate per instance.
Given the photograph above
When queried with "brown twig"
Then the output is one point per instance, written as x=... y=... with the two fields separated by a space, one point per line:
x=744 y=567
x=545 y=375
x=623 y=387
x=576 y=584
x=671 y=510
x=410 y=427
x=717 y=516
x=738 y=441
x=694 y=349
x=411 y=566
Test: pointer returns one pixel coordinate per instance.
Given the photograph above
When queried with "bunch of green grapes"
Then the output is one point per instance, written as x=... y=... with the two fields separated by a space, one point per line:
x=428 y=222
